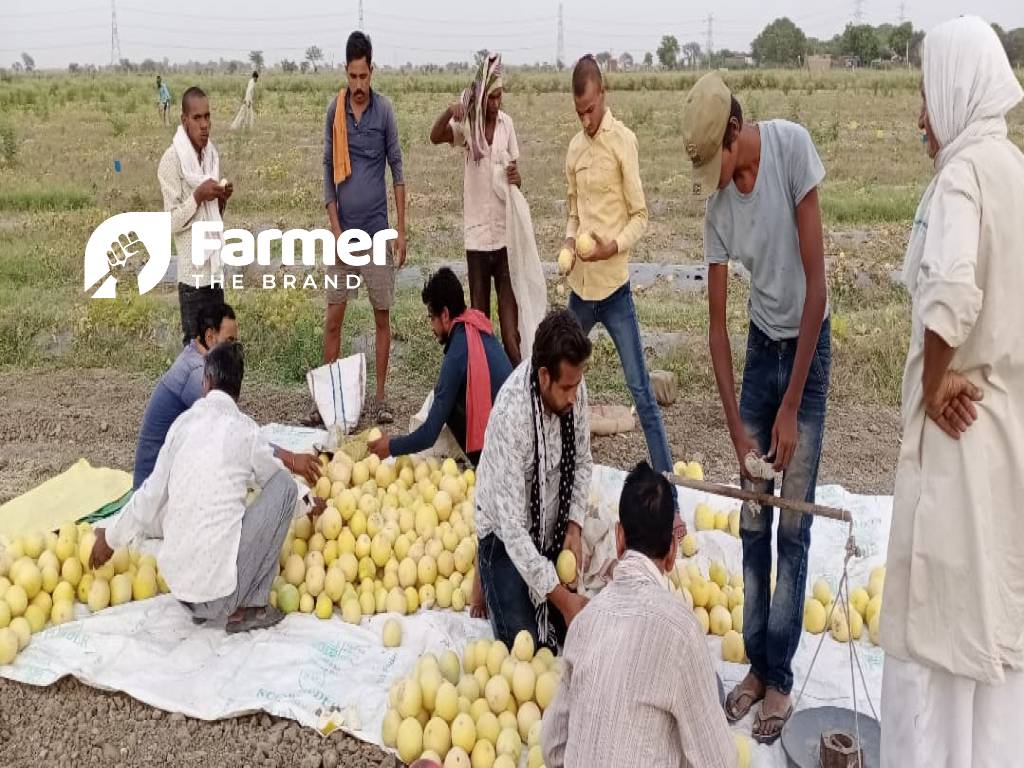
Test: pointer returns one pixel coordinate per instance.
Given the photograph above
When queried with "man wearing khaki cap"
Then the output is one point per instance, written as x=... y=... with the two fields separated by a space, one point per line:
x=760 y=181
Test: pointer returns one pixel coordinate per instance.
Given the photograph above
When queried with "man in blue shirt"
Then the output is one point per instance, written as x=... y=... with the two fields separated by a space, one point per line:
x=357 y=146
x=163 y=98
x=182 y=385
x=452 y=326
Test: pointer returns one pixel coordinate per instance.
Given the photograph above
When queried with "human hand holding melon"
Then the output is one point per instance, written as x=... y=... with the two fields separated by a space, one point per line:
x=591 y=247
x=319 y=505
x=381 y=447
x=101 y=551
x=573 y=543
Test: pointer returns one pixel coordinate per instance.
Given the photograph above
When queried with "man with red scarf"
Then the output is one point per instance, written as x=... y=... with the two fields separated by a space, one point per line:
x=474 y=368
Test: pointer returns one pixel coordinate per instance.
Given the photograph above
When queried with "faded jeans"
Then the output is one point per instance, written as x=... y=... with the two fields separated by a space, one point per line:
x=509 y=606
x=618 y=315
x=772 y=623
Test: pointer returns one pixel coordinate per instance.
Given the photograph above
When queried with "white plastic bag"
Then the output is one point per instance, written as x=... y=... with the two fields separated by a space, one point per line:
x=338 y=389
x=523 y=260
x=446 y=445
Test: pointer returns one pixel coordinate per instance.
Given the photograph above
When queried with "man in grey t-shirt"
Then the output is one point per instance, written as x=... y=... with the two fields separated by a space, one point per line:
x=761 y=181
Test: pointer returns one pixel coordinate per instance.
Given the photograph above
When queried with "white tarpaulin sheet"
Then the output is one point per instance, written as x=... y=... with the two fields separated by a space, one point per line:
x=306 y=667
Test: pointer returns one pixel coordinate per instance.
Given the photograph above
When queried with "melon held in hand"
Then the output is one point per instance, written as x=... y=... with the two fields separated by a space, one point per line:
x=565 y=260
x=565 y=566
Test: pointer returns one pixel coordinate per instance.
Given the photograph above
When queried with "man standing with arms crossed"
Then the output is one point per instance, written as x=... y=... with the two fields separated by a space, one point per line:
x=491 y=135
x=360 y=137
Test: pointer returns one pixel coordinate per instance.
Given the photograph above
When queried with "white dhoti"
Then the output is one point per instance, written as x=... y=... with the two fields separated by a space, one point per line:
x=245 y=118
x=936 y=719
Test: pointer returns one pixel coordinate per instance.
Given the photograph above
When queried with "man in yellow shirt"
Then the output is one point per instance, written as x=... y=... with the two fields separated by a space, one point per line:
x=606 y=200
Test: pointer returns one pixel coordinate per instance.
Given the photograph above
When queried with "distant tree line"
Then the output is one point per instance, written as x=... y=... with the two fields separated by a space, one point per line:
x=783 y=43
x=780 y=44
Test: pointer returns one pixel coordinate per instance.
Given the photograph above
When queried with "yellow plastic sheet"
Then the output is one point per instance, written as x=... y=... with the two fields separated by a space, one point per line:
x=75 y=493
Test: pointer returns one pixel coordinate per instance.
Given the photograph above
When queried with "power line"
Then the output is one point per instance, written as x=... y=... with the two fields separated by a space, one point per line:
x=560 y=46
x=38 y=14
x=711 y=37
x=903 y=12
x=858 y=11
x=115 y=41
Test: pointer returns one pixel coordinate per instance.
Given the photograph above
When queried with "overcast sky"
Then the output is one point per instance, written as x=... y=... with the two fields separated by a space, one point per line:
x=57 y=32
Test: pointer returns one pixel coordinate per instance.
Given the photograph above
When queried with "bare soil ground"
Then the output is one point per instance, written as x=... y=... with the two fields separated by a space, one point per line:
x=48 y=419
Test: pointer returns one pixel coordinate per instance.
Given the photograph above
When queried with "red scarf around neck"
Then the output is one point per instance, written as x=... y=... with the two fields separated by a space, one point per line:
x=478 y=378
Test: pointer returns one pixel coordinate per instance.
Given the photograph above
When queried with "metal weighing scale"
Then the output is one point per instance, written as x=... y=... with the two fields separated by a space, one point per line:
x=822 y=737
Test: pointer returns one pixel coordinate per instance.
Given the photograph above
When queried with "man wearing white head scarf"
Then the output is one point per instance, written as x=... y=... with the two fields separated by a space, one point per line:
x=485 y=134
x=952 y=621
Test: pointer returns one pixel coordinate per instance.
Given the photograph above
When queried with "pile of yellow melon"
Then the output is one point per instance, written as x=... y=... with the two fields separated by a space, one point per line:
x=864 y=609
x=482 y=710
x=704 y=517
x=707 y=519
x=42 y=575
x=394 y=537
x=717 y=602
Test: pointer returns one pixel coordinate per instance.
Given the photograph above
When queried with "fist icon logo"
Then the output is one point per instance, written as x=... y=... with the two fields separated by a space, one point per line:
x=124 y=248
x=144 y=239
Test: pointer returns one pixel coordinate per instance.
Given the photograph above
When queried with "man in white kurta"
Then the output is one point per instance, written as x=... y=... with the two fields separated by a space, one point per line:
x=952 y=621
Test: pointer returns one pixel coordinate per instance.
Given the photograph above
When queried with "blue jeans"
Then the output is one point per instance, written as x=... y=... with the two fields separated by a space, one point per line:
x=618 y=315
x=772 y=624
x=509 y=606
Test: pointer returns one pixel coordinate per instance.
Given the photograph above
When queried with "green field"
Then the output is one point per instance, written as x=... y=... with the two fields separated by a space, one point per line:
x=60 y=135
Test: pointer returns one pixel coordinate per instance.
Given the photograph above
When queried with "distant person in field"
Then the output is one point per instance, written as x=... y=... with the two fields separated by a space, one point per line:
x=182 y=385
x=163 y=100
x=219 y=555
x=606 y=201
x=761 y=185
x=638 y=684
x=952 y=617
x=532 y=488
x=246 y=116
x=189 y=174
x=485 y=134
x=472 y=372
x=360 y=139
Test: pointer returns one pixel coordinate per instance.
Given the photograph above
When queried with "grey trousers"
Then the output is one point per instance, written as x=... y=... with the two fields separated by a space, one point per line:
x=264 y=526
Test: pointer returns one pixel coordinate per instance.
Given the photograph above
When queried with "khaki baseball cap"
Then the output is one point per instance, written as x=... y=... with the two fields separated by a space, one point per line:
x=705 y=117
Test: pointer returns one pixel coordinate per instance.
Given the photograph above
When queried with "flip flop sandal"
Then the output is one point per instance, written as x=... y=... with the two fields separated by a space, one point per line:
x=256 y=619
x=772 y=735
x=384 y=414
x=313 y=419
x=734 y=709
